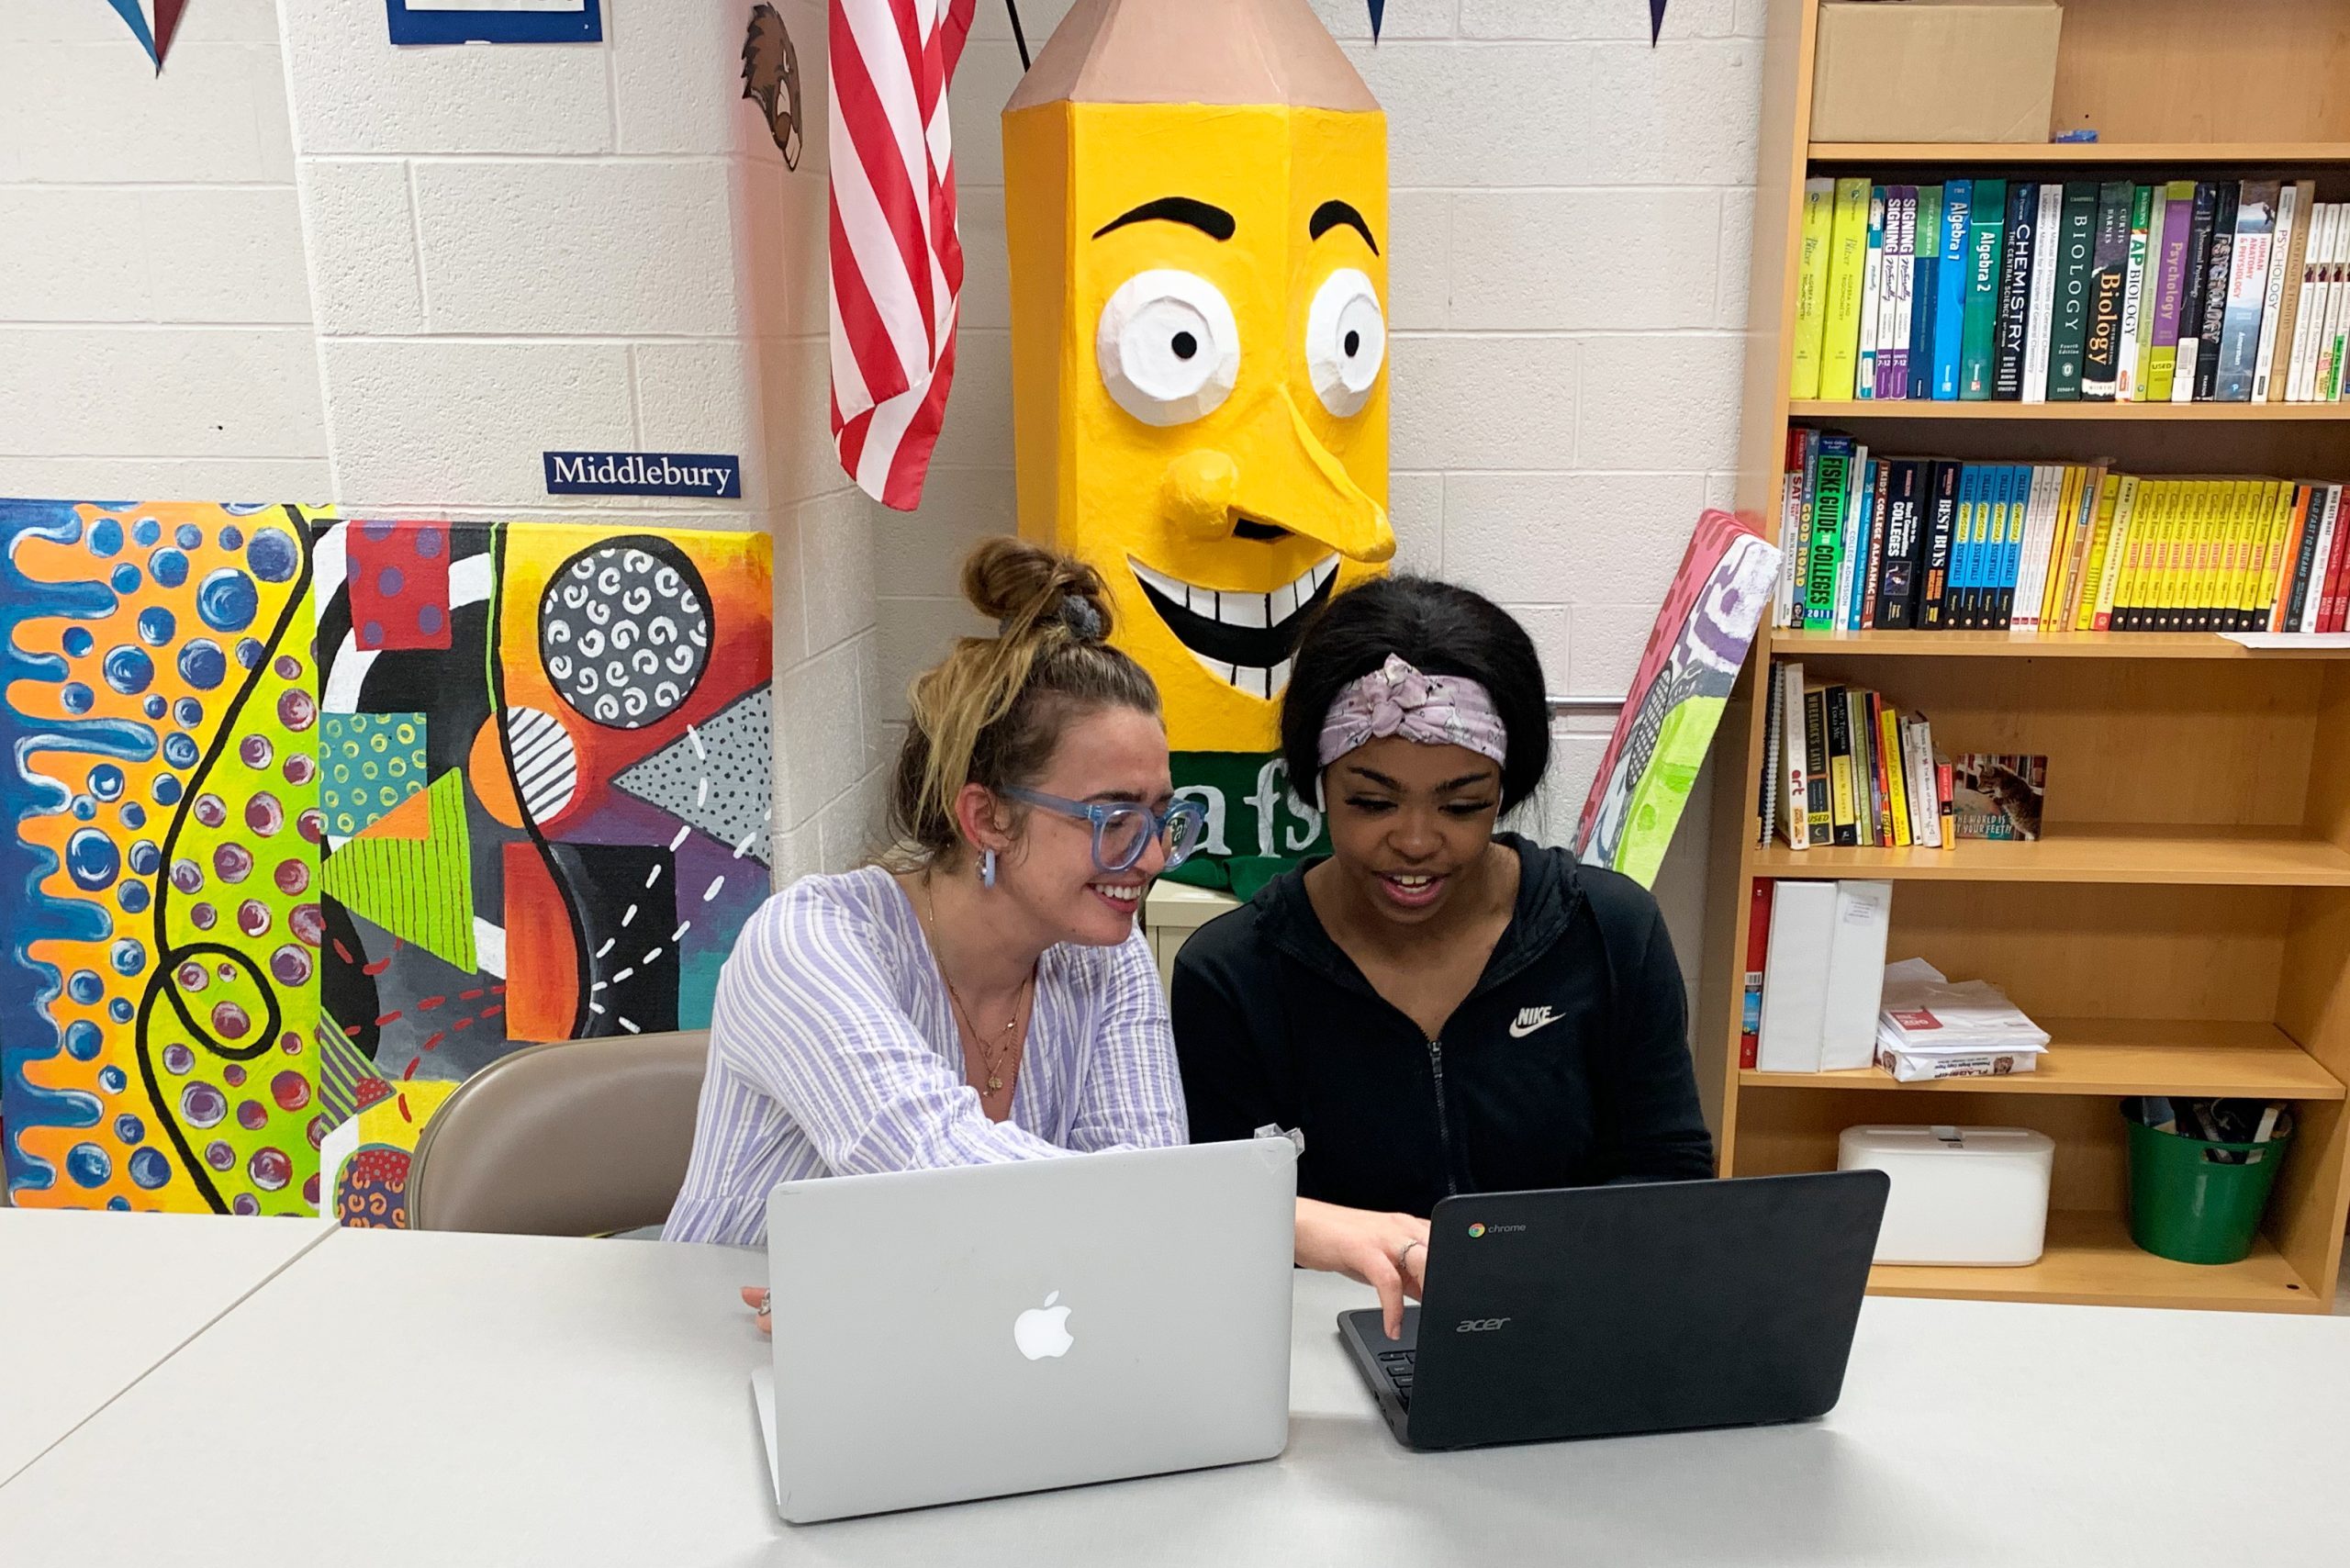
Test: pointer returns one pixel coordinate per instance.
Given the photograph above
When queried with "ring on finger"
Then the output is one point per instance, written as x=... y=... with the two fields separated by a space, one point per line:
x=1403 y=1257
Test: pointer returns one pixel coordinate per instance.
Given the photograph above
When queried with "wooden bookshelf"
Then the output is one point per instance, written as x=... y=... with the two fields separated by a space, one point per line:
x=2124 y=1055
x=2038 y=155
x=2091 y=1261
x=2183 y=926
x=2095 y=413
x=2162 y=853
x=2202 y=645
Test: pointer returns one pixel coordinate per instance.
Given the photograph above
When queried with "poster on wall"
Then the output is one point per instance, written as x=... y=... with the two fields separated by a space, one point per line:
x=495 y=21
x=312 y=819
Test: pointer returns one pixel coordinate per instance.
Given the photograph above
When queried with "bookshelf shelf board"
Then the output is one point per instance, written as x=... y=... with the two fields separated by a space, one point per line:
x=2032 y=645
x=2090 y=1260
x=2124 y=413
x=2160 y=854
x=2123 y=1055
x=2034 y=154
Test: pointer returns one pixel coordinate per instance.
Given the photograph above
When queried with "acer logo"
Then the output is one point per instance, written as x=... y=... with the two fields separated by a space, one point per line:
x=1480 y=1325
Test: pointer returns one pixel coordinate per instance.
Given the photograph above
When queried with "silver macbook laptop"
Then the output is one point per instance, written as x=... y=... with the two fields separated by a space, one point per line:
x=946 y=1335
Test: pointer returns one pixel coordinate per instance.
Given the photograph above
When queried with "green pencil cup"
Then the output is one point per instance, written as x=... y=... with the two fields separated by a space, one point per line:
x=2189 y=1207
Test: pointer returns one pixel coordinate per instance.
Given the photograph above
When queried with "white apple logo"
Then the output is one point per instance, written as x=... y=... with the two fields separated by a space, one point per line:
x=1042 y=1331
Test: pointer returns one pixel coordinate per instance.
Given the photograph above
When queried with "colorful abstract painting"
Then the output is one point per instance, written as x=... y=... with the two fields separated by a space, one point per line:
x=317 y=818
x=1685 y=673
x=159 y=995
x=545 y=773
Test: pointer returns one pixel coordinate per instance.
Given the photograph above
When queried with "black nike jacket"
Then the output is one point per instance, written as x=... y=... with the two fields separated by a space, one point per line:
x=1567 y=1066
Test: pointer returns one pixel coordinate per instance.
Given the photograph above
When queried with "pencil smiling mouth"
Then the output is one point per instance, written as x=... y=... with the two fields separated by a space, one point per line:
x=1244 y=640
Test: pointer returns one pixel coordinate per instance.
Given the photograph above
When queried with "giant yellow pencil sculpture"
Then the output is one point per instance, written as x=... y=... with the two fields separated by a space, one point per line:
x=1196 y=205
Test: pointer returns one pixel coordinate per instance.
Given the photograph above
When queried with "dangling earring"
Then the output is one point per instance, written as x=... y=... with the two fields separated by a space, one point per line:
x=986 y=869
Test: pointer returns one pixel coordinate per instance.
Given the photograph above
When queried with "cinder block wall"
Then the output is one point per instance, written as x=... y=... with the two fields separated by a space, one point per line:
x=305 y=264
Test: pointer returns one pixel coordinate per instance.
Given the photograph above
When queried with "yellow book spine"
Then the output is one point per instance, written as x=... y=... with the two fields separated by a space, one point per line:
x=2187 y=562
x=1811 y=289
x=2267 y=593
x=2218 y=530
x=2257 y=520
x=2177 y=530
x=2134 y=538
x=2227 y=529
x=2109 y=552
x=1840 y=352
x=2059 y=549
x=2083 y=537
x=1888 y=739
x=2247 y=530
x=2144 y=591
x=2161 y=545
x=2100 y=524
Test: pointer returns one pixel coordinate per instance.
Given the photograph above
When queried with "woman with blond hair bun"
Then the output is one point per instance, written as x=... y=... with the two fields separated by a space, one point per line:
x=982 y=994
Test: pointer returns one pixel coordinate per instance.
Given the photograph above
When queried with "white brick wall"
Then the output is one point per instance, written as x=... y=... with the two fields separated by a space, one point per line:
x=304 y=265
x=1571 y=213
x=154 y=334
x=513 y=249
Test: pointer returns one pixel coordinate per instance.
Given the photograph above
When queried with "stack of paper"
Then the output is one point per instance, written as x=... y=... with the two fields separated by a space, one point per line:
x=1931 y=1027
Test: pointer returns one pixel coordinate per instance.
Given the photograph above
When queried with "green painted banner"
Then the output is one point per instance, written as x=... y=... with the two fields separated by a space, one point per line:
x=1258 y=826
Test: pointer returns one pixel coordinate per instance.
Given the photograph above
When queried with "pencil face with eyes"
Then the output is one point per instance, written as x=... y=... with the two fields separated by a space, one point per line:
x=1200 y=388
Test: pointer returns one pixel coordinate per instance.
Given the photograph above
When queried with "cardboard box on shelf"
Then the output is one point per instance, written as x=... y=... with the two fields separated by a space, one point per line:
x=1935 y=70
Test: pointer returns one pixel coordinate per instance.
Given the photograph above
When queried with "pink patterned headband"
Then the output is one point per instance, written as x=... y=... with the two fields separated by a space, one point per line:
x=1427 y=710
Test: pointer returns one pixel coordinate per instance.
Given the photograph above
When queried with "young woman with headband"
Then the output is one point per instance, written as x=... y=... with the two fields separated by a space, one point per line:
x=1438 y=1007
x=983 y=994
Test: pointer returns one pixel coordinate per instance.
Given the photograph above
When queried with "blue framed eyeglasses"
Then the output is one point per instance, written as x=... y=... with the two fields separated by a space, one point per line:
x=1123 y=830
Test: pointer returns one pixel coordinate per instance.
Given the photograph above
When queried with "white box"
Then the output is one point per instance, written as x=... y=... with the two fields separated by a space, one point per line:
x=1795 y=977
x=1970 y=1196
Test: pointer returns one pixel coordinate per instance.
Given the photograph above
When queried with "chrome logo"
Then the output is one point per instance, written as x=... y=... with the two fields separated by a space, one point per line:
x=1476 y=1230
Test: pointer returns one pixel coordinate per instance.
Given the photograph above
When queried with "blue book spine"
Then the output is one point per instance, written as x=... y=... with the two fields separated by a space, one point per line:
x=1950 y=304
x=1860 y=548
x=1925 y=270
x=1923 y=298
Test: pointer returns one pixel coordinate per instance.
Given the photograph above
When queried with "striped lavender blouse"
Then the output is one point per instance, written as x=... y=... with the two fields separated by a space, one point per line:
x=832 y=1051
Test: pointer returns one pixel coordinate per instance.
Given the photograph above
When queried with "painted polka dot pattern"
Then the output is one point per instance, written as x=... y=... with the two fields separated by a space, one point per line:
x=368 y=763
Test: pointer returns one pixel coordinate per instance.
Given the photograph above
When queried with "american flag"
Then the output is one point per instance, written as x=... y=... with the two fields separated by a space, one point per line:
x=897 y=264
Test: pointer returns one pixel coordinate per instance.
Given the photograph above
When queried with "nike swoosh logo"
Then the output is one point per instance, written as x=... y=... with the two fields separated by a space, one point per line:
x=1528 y=1022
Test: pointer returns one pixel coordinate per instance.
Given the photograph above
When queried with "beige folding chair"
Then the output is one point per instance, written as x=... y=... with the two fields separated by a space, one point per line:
x=583 y=1138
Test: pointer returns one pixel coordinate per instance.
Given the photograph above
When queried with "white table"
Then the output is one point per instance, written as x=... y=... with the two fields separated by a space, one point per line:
x=585 y=1402
x=89 y=1303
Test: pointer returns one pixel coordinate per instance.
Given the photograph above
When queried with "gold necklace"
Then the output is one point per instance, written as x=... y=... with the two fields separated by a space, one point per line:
x=991 y=1056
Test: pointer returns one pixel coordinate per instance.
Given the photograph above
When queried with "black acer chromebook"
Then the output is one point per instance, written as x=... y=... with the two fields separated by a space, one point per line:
x=1592 y=1312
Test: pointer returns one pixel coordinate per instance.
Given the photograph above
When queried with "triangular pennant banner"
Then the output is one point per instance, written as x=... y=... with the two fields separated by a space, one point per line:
x=1379 y=14
x=167 y=22
x=136 y=20
x=1656 y=20
x=157 y=44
